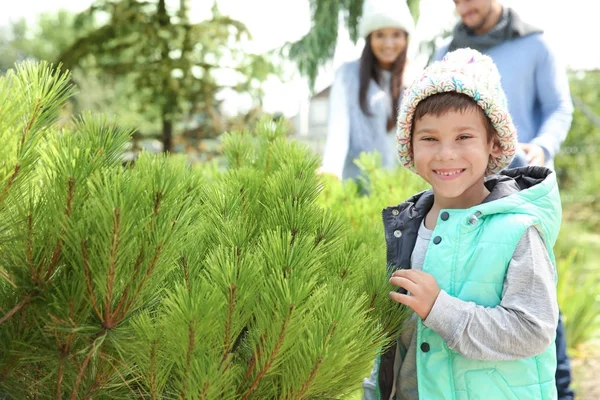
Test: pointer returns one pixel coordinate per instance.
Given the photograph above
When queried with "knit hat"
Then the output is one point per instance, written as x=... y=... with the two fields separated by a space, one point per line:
x=378 y=14
x=468 y=72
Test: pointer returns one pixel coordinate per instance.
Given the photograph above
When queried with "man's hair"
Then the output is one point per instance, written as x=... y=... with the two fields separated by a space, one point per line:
x=441 y=103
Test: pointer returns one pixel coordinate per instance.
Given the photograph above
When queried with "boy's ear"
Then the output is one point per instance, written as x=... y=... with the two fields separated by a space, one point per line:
x=496 y=150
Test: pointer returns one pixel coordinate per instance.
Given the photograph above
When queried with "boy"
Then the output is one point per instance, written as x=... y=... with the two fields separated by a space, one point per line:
x=472 y=256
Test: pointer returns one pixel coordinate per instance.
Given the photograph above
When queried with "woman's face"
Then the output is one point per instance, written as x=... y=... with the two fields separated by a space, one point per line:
x=387 y=44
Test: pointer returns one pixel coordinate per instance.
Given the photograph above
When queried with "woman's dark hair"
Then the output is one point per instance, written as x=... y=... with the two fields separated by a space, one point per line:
x=370 y=69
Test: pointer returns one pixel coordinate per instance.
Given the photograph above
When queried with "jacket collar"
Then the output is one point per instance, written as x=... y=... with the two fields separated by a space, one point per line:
x=500 y=185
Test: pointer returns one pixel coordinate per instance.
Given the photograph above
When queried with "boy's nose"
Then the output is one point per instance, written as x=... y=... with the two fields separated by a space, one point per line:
x=445 y=152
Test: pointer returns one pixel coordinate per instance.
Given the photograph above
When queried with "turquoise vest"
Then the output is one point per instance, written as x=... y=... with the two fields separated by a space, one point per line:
x=469 y=255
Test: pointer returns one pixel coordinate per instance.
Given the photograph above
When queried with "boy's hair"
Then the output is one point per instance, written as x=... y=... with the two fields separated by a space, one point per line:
x=441 y=103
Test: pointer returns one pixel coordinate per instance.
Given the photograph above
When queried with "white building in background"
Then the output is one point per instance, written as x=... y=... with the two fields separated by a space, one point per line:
x=312 y=119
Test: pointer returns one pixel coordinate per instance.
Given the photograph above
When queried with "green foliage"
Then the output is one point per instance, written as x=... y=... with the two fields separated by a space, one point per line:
x=363 y=213
x=578 y=165
x=578 y=169
x=164 y=281
x=317 y=47
x=578 y=284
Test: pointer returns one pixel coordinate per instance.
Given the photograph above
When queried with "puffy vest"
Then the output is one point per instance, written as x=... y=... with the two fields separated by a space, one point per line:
x=469 y=255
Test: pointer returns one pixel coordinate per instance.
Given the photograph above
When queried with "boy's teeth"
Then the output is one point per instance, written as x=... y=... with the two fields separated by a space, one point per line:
x=449 y=173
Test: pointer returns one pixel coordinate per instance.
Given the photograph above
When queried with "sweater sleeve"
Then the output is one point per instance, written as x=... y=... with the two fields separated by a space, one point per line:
x=522 y=325
x=440 y=52
x=338 y=129
x=552 y=89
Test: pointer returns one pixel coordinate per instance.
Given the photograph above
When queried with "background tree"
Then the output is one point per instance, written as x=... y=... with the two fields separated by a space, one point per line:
x=147 y=64
x=45 y=39
x=173 y=63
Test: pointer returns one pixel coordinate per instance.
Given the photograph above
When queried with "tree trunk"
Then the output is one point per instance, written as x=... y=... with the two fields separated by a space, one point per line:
x=167 y=135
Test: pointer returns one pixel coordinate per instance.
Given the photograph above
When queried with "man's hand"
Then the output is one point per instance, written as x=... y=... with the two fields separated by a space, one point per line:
x=422 y=287
x=534 y=154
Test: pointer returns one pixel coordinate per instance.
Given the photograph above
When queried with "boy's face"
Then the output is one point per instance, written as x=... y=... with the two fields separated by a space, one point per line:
x=451 y=152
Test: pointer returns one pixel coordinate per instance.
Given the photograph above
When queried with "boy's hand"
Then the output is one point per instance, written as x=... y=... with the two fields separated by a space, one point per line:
x=423 y=290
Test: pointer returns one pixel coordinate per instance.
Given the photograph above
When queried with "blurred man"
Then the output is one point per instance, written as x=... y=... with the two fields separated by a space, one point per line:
x=536 y=86
x=537 y=90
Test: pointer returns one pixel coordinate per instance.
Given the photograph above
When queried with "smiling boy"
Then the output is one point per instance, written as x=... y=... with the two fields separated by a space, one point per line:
x=472 y=256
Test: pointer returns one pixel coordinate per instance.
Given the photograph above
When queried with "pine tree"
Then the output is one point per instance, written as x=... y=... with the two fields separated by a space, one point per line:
x=160 y=280
x=168 y=65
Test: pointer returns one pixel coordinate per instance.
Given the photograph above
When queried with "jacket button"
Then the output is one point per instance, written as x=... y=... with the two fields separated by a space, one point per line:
x=395 y=212
x=424 y=347
x=445 y=216
x=397 y=234
x=437 y=240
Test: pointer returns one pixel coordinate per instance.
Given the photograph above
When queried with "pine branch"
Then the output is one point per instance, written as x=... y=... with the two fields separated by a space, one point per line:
x=58 y=250
x=157 y=200
x=272 y=357
x=65 y=349
x=59 y=379
x=153 y=371
x=311 y=377
x=372 y=302
x=81 y=373
x=4 y=275
x=315 y=368
x=149 y=271
x=97 y=380
x=186 y=274
x=188 y=359
x=29 y=250
x=88 y=280
x=109 y=360
x=124 y=304
x=15 y=309
x=112 y=261
x=228 y=323
x=10 y=182
x=136 y=267
x=34 y=115
x=7 y=368
x=205 y=390
x=255 y=357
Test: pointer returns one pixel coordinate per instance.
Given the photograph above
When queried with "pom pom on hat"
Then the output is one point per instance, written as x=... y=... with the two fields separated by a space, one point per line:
x=471 y=73
x=379 y=14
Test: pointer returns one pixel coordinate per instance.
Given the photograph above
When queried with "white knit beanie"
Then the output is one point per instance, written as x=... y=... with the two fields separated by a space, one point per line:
x=468 y=72
x=378 y=14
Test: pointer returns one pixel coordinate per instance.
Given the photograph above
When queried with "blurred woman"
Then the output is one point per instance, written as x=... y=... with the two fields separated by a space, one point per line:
x=365 y=95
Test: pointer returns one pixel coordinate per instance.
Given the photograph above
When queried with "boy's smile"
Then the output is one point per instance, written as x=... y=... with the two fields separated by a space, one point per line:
x=449 y=174
x=451 y=152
